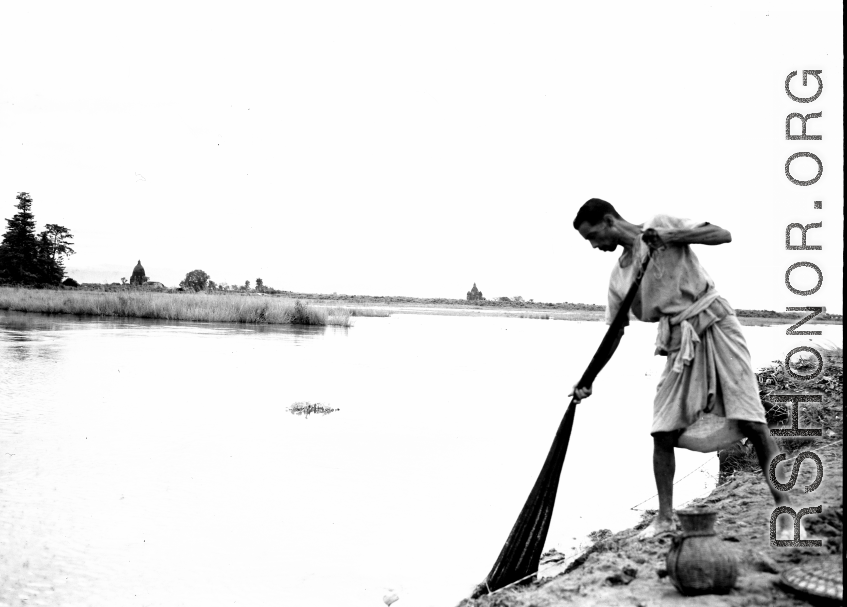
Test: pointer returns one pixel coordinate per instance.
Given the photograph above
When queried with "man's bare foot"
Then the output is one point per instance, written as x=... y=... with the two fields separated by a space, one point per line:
x=656 y=528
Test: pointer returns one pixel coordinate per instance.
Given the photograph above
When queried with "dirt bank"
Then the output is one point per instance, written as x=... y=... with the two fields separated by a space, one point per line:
x=624 y=571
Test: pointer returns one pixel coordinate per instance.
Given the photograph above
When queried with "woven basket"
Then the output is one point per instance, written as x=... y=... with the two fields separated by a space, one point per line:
x=698 y=562
x=819 y=579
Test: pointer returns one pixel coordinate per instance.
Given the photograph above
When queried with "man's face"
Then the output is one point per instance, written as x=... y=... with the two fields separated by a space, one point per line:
x=601 y=236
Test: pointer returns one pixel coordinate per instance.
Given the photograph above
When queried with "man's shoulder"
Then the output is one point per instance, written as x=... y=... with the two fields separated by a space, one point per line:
x=662 y=221
x=669 y=221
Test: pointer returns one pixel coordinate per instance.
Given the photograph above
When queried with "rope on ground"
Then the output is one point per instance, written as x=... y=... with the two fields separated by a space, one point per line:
x=675 y=482
x=558 y=563
x=703 y=464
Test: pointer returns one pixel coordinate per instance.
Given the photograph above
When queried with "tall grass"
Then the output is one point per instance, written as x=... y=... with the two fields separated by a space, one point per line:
x=173 y=306
x=827 y=415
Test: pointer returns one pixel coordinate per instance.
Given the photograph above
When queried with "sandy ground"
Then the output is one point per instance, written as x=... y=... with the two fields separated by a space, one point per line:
x=622 y=570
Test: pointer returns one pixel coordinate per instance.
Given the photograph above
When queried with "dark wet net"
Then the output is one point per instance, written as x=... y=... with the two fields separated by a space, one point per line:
x=522 y=552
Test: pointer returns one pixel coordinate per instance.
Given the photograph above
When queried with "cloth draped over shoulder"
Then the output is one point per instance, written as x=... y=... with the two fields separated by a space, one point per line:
x=708 y=384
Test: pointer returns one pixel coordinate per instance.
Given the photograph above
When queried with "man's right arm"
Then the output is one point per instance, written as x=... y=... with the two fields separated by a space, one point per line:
x=581 y=392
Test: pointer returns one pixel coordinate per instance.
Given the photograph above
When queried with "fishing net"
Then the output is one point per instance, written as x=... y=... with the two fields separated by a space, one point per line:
x=521 y=554
x=519 y=558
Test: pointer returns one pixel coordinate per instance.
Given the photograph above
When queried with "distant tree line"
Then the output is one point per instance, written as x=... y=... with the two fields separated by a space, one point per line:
x=27 y=258
x=198 y=280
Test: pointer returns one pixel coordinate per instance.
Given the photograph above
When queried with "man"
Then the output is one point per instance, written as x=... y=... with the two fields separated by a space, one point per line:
x=708 y=395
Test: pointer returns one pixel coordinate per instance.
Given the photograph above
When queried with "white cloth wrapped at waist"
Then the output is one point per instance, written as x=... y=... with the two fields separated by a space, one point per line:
x=689 y=336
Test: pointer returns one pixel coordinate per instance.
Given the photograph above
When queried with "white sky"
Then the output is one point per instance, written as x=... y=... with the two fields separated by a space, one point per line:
x=396 y=148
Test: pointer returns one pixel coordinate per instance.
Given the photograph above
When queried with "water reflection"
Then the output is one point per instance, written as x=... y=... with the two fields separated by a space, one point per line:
x=22 y=340
x=22 y=326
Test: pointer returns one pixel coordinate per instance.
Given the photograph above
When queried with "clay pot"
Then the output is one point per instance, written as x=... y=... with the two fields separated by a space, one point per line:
x=698 y=562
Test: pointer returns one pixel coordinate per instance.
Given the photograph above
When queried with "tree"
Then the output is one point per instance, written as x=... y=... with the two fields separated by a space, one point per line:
x=195 y=280
x=25 y=258
x=212 y=286
x=259 y=284
x=51 y=271
x=246 y=285
x=60 y=241
x=123 y=280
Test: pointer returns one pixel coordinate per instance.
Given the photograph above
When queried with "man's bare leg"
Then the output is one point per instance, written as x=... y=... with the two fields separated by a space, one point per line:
x=664 y=467
x=760 y=437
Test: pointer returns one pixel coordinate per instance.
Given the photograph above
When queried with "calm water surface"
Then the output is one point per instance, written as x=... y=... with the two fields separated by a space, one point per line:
x=149 y=463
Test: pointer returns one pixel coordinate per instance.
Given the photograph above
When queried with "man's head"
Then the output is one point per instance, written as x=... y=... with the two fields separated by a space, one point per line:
x=596 y=221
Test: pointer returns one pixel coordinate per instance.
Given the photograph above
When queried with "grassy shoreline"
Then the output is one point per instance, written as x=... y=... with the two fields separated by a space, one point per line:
x=172 y=306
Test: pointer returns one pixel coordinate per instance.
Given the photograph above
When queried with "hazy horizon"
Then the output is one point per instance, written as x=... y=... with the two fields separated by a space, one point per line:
x=108 y=280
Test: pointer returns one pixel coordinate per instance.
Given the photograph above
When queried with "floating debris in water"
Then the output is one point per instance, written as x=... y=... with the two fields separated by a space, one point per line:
x=305 y=408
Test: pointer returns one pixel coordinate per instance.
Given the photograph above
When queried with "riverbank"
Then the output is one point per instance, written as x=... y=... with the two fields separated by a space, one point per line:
x=174 y=306
x=539 y=311
x=621 y=570
x=335 y=306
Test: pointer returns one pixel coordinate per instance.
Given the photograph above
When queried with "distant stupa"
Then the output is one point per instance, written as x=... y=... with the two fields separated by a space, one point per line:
x=475 y=294
x=137 y=279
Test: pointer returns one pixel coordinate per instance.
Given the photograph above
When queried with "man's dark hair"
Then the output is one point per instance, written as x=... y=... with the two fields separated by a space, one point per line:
x=593 y=212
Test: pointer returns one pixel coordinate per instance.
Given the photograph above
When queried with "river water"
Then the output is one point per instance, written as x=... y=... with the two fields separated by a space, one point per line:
x=153 y=463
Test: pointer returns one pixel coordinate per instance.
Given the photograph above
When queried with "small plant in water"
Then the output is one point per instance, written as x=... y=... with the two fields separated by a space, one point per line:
x=306 y=408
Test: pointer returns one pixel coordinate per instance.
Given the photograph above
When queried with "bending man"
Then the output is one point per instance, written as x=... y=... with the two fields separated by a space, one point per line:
x=708 y=396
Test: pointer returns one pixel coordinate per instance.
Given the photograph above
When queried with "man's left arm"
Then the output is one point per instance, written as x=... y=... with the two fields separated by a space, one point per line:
x=708 y=234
